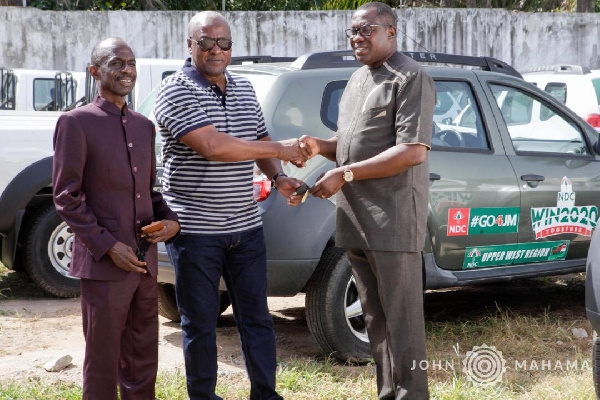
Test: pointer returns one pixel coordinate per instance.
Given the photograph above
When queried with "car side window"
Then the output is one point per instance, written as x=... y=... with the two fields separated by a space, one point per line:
x=596 y=83
x=457 y=118
x=330 y=104
x=535 y=125
x=558 y=90
x=43 y=94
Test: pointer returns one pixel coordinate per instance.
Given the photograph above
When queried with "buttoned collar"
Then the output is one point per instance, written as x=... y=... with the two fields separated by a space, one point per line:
x=200 y=79
x=109 y=106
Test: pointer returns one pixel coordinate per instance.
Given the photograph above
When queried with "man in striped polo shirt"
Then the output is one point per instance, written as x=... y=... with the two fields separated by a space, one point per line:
x=213 y=130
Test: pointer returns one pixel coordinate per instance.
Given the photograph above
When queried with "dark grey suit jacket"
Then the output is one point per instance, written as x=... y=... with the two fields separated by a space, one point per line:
x=103 y=178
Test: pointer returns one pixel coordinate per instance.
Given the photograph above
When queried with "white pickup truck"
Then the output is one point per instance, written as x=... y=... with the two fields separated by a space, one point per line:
x=40 y=90
x=33 y=237
x=31 y=231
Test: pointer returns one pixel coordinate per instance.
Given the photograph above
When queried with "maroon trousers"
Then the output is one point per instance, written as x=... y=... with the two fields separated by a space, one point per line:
x=120 y=326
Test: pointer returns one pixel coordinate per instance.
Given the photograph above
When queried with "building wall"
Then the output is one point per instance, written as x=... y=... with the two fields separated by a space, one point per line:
x=31 y=38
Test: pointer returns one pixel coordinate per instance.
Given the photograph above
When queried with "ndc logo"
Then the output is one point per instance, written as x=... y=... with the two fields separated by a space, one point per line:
x=458 y=221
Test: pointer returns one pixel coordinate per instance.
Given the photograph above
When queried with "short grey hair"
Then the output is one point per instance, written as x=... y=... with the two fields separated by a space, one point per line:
x=104 y=49
x=205 y=18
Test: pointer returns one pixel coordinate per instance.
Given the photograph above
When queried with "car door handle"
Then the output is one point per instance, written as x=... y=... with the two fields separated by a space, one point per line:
x=434 y=177
x=532 y=178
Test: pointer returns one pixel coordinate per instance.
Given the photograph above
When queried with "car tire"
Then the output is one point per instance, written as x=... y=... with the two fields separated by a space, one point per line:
x=47 y=253
x=596 y=363
x=333 y=311
x=167 y=302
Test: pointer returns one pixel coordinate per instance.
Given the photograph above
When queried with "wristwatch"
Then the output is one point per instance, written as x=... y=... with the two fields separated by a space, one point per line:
x=277 y=175
x=348 y=174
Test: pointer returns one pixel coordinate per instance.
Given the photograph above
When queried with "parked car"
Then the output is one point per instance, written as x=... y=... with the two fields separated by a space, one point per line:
x=576 y=86
x=592 y=303
x=515 y=188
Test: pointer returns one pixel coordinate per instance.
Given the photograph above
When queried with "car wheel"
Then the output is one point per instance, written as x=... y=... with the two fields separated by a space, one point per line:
x=596 y=363
x=333 y=311
x=47 y=253
x=167 y=302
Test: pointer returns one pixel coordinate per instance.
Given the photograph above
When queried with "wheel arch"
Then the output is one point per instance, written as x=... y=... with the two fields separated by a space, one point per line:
x=30 y=187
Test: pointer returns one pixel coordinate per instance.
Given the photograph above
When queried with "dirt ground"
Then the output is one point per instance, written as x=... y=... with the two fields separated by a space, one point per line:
x=35 y=328
x=34 y=331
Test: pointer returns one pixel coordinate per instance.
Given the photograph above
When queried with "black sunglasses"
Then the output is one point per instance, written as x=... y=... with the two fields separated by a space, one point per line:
x=206 y=43
x=364 y=30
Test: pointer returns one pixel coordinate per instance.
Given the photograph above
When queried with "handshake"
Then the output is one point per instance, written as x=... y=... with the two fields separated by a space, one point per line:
x=298 y=151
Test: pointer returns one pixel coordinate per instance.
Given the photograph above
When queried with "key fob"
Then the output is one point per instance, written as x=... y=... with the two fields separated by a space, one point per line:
x=302 y=191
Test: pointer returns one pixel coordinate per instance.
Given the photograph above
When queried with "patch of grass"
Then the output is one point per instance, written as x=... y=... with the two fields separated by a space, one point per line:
x=12 y=390
x=14 y=284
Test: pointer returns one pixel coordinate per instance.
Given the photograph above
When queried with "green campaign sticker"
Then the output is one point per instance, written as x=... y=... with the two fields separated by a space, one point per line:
x=516 y=253
x=483 y=221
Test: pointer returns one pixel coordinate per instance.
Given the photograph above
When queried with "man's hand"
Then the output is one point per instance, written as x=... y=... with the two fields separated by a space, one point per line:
x=329 y=183
x=294 y=151
x=124 y=257
x=287 y=186
x=311 y=144
x=169 y=230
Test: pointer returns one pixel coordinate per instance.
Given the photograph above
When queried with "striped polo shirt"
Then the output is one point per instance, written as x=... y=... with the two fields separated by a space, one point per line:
x=210 y=197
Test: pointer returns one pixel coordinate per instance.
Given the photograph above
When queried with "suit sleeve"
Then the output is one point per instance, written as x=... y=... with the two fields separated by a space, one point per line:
x=70 y=154
x=160 y=208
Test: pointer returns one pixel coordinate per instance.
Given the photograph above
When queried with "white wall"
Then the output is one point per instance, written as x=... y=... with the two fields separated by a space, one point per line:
x=31 y=38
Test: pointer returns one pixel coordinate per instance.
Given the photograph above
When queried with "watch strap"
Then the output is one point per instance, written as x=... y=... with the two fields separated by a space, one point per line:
x=277 y=175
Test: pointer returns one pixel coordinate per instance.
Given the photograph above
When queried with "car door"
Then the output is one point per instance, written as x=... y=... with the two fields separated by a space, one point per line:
x=550 y=150
x=474 y=194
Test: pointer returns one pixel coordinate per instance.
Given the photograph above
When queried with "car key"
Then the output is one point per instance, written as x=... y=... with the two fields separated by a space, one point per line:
x=302 y=190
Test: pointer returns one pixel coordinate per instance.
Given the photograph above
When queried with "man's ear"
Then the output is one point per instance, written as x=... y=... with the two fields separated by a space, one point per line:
x=392 y=32
x=93 y=71
x=189 y=43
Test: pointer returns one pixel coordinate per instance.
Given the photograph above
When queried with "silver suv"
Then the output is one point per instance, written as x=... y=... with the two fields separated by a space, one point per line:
x=514 y=188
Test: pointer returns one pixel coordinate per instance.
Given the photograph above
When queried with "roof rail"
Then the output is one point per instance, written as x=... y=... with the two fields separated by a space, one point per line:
x=259 y=59
x=326 y=59
x=485 y=63
x=559 y=69
x=346 y=58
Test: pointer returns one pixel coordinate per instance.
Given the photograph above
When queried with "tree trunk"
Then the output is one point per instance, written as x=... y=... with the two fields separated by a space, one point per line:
x=471 y=3
x=486 y=3
x=585 y=6
x=448 y=3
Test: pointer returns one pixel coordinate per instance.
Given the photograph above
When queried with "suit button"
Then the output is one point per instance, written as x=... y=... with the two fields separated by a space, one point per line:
x=138 y=222
x=130 y=144
x=137 y=196
x=134 y=169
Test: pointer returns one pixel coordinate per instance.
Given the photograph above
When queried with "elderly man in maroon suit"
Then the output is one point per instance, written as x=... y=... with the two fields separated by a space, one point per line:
x=104 y=175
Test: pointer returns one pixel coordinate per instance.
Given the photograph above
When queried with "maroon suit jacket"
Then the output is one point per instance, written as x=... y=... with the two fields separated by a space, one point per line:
x=103 y=182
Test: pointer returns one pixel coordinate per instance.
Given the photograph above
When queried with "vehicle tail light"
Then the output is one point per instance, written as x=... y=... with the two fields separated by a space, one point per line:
x=261 y=186
x=593 y=120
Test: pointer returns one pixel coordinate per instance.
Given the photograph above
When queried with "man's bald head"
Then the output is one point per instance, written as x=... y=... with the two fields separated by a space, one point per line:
x=105 y=48
x=205 y=18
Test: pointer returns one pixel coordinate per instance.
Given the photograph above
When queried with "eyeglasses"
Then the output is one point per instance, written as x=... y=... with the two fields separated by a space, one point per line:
x=364 y=30
x=206 y=43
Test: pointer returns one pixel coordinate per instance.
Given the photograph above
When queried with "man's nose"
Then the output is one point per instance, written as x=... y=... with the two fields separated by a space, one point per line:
x=215 y=49
x=128 y=68
x=357 y=38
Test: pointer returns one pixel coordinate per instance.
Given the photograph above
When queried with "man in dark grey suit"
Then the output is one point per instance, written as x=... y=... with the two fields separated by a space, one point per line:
x=103 y=179
x=381 y=149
